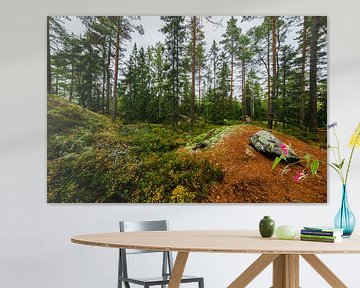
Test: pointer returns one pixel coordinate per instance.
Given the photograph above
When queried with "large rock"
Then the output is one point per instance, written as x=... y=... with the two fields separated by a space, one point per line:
x=267 y=143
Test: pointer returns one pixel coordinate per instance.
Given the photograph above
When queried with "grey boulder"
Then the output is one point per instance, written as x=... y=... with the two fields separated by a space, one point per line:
x=265 y=142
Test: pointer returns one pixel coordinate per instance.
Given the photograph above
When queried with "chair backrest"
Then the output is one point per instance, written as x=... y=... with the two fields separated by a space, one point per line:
x=134 y=226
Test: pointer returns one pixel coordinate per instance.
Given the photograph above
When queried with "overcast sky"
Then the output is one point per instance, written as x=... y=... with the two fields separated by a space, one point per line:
x=152 y=25
x=152 y=35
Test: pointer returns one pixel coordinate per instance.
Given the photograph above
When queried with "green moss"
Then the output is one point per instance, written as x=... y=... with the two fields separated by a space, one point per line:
x=93 y=160
x=64 y=116
x=210 y=138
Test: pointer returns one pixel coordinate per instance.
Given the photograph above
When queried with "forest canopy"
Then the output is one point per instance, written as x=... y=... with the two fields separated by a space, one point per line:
x=271 y=69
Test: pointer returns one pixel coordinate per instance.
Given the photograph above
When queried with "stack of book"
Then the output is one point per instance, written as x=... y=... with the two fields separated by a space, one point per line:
x=321 y=234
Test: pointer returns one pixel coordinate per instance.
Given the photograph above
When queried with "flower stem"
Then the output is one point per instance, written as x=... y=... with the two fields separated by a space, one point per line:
x=350 y=159
x=348 y=166
x=339 y=157
x=337 y=171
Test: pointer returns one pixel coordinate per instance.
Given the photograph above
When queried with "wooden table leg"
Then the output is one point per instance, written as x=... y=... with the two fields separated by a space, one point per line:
x=253 y=270
x=286 y=271
x=324 y=271
x=178 y=270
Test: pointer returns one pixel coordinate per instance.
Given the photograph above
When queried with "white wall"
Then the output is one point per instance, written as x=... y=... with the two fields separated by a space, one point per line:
x=35 y=248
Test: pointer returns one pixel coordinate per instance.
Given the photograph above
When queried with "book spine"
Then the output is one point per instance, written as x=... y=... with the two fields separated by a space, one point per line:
x=319 y=236
x=318 y=239
x=320 y=233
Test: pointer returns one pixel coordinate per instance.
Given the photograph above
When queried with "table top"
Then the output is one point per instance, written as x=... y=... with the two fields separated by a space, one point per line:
x=217 y=241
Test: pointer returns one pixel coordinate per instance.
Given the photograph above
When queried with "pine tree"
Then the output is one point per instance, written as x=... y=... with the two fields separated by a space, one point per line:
x=313 y=73
x=174 y=30
x=260 y=42
x=124 y=26
x=55 y=34
x=274 y=73
x=213 y=57
x=160 y=75
x=303 y=67
x=230 y=40
x=244 y=55
x=221 y=96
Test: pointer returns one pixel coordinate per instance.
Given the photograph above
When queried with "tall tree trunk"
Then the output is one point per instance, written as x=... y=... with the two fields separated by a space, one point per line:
x=313 y=74
x=199 y=85
x=108 y=88
x=173 y=52
x=177 y=81
x=57 y=82
x=278 y=49
x=71 y=82
x=243 y=89
x=214 y=71
x=252 y=106
x=193 y=60
x=284 y=88
x=103 y=79
x=232 y=72
x=48 y=57
x=268 y=74
x=303 y=65
x=159 y=80
x=116 y=71
x=274 y=75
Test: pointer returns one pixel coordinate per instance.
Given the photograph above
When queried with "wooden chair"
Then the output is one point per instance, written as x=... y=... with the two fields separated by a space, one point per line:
x=167 y=262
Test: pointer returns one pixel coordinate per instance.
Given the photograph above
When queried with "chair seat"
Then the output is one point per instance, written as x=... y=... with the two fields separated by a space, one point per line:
x=158 y=280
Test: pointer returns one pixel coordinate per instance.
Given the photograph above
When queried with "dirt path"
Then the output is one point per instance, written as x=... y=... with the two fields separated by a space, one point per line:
x=250 y=179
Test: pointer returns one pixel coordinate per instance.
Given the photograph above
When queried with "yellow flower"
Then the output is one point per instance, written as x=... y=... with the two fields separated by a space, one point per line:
x=355 y=138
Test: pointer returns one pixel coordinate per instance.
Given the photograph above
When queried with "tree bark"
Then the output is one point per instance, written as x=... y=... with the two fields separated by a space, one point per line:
x=284 y=88
x=199 y=85
x=232 y=72
x=313 y=74
x=173 y=79
x=177 y=79
x=303 y=65
x=243 y=89
x=214 y=71
x=48 y=57
x=159 y=80
x=56 y=82
x=71 y=83
x=274 y=74
x=116 y=71
x=103 y=79
x=193 y=50
x=108 y=89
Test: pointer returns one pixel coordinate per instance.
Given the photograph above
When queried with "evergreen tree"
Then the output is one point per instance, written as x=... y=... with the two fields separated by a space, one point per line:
x=213 y=57
x=244 y=55
x=230 y=41
x=124 y=26
x=313 y=73
x=174 y=30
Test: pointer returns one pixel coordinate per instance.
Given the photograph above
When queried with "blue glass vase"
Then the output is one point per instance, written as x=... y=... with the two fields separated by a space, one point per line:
x=345 y=219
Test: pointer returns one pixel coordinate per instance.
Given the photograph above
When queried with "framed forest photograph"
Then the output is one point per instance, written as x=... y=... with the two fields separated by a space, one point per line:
x=186 y=109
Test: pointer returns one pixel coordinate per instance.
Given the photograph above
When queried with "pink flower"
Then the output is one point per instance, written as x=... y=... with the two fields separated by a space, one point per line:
x=299 y=176
x=284 y=149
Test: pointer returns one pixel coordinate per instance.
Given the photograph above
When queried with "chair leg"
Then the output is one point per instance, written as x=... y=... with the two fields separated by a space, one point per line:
x=201 y=283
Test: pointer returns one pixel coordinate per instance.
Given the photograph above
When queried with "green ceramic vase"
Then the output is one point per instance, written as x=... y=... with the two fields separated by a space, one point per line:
x=266 y=227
